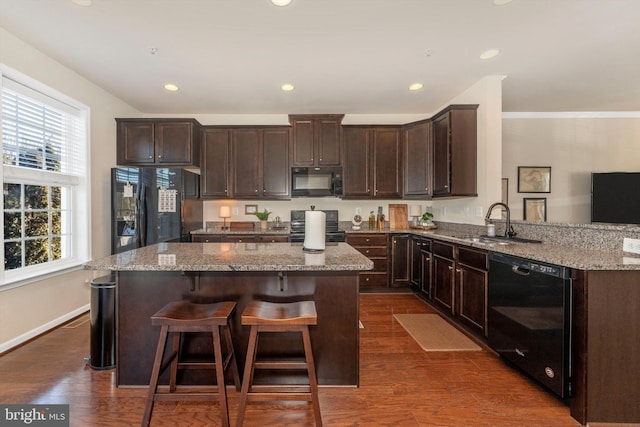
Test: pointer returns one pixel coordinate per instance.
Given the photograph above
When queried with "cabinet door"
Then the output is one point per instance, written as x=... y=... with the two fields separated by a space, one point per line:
x=246 y=164
x=427 y=268
x=135 y=143
x=464 y=143
x=174 y=143
x=443 y=283
x=387 y=163
x=415 y=268
x=356 y=161
x=441 y=155
x=275 y=161
x=328 y=141
x=215 y=163
x=399 y=260
x=418 y=164
x=472 y=305
x=303 y=147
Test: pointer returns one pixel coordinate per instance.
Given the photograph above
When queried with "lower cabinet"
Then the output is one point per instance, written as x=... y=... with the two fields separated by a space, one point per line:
x=374 y=247
x=420 y=265
x=460 y=276
x=400 y=261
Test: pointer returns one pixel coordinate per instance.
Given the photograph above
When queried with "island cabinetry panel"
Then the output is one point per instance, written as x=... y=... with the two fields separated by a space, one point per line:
x=374 y=247
x=455 y=151
x=418 y=161
x=259 y=163
x=420 y=265
x=372 y=162
x=334 y=338
x=460 y=279
x=158 y=142
x=316 y=139
x=400 y=261
x=214 y=178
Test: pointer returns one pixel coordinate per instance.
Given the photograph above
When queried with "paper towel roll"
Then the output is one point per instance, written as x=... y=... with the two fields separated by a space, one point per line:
x=314 y=230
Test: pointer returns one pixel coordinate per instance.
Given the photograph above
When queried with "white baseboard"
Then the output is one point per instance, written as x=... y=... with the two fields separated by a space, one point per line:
x=8 y=345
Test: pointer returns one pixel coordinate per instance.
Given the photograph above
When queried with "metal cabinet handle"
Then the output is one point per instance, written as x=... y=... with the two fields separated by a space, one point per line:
x=450 y=268
x=458 y=270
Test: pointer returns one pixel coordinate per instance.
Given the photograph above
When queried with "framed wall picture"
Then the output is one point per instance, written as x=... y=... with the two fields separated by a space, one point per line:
x=535 y=209
x=250 y=209
x=534 y=179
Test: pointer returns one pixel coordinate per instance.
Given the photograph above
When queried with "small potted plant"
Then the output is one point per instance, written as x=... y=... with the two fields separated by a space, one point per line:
x=263 y=217
x=427 y=219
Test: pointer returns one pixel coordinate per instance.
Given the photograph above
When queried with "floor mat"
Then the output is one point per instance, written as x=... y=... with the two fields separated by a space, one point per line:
x=433 y=333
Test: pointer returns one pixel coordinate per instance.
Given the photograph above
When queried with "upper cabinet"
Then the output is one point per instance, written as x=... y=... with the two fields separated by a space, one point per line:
x=158 y=142
x=372 y=162
x=259 y=163
x=418 y=161
x=316 y=139
x=214 y=178
x=455 y=151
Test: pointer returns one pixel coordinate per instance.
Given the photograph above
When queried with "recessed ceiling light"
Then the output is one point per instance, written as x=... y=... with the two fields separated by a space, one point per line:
x=416 y=86
x=82 y=2
x=171 y=87
x=287 y=87
x=281 y=2
x=488 y=54
x=501 y=2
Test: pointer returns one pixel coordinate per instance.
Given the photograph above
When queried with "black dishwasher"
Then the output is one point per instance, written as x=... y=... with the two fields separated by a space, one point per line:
x=529 y=318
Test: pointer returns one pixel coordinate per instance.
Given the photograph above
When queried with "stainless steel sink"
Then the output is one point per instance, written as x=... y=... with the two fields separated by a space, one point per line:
x=500 y=240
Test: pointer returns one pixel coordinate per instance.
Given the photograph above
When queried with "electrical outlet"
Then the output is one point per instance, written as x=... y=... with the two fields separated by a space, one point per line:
x=631 y=245
x=235 y=211
x=358 y=211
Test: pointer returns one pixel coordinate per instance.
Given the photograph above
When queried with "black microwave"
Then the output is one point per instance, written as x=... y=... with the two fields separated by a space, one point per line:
x=316 y=182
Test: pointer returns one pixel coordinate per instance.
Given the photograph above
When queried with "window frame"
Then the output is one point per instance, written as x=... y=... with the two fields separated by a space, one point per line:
x=80 y=185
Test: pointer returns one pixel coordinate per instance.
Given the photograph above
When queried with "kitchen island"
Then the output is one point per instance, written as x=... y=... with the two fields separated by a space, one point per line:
x=148 y=278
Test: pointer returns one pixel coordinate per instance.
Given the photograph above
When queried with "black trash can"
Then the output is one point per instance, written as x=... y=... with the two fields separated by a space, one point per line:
x=103 y=323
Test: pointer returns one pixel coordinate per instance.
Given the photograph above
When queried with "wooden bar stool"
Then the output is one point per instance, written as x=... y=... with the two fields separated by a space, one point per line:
x=182 y=316
x=279 y=317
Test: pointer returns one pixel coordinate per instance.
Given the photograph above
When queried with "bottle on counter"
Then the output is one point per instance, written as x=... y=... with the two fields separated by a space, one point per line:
x=491 y=229
x=372 y=221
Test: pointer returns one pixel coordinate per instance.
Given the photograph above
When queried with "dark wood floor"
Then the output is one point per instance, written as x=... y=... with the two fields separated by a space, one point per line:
x=401 y=385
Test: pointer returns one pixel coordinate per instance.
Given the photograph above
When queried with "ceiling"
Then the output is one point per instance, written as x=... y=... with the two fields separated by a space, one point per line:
x=342 y=56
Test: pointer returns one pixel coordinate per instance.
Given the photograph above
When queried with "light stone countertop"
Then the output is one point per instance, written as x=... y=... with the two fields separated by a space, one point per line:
x=234 y=257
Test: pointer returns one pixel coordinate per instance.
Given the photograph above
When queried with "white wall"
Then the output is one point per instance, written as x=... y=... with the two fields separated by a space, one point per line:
x=31 y=309
x=574 y=145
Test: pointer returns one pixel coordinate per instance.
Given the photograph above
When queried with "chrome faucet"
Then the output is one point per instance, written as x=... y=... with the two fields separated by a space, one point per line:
x=508 y=229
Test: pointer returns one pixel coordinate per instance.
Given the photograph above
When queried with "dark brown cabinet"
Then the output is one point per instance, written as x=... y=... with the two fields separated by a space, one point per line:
x=214 y=178
x=158 y=142
x=259 y=163
x=418 y=162
x=373 y=246
x=372 y=162
x=460 y=276
x=316 y=139
x=455 y=151
x=400 y=260
x=420 y=265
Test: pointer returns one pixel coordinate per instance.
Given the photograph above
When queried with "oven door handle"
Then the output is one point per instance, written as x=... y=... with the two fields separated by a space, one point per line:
x=519 y=270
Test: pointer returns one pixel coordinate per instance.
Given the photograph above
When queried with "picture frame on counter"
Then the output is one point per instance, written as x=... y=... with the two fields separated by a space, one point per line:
x=250 y=209
x=535 y=209
x=534 y=179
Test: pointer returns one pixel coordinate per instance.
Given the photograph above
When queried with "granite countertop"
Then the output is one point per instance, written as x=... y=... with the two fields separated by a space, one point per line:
x=234 y=257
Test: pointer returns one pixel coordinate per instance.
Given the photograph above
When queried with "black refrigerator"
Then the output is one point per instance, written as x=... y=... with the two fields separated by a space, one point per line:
x=153 y=205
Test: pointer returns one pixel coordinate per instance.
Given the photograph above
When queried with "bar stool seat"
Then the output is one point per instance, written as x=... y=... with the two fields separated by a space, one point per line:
x=179 y=317
x=279 y=317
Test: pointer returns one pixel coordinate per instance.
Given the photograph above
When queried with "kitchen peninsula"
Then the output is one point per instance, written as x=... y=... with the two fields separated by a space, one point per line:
x=149 y=277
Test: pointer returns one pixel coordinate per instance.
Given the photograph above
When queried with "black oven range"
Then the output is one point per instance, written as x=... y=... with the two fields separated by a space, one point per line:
x=332 y=229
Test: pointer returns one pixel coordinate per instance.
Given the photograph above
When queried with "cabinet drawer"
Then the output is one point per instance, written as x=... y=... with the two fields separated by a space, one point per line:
x=473 y=258
x=274 y=239
x=445 y=250
x=379 y=264
x=247 y=238
x=367 y=239
x=371 y=280
x=373 y=252
x=206 y=238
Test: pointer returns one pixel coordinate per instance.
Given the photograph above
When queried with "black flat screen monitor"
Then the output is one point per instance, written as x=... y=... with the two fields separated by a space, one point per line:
x=615 y=197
